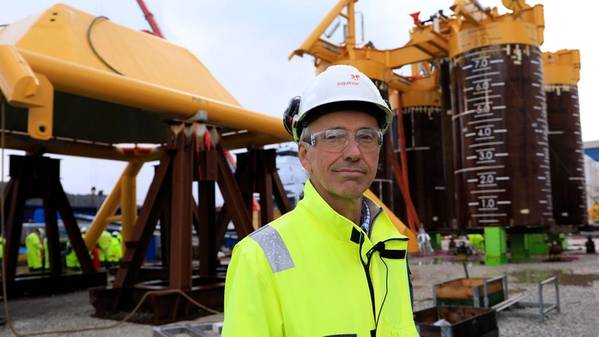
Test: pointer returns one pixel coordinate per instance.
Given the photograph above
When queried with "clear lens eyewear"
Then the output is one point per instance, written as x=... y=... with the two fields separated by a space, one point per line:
x=336 y=140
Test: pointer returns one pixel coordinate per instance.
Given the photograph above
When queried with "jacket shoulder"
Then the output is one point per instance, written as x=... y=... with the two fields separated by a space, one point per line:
x=250 y=244
x=286 y=222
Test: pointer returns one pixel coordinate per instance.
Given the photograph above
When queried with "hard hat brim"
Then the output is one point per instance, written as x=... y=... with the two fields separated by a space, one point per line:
x=383 y=115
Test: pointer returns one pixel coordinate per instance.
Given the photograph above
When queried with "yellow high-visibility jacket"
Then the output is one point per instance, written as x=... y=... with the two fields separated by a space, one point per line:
x=104 y=242
x=33 y=243
x=46 y=254
x=115 y=250
x=313 y=272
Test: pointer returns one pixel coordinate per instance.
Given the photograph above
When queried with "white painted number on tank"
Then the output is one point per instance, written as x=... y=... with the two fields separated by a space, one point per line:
x=484 y=132
x=481 y=62
x=481 y=86
x=485 y=155
x=483 y=108
x=487 y=203
x=486 y=179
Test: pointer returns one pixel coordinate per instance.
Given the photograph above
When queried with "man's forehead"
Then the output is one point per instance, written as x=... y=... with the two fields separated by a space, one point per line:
x=349 y=119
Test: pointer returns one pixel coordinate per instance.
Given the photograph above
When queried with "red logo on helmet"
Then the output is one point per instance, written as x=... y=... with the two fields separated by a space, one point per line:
x=355 y=78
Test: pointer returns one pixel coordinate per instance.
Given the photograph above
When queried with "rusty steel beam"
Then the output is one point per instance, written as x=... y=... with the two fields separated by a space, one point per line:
x=72 y=229
x=53 y=247
x=208 y=236
x=264 y=187
x=34 y=176
x=170 y=198
x=181 y=215
x=165 y=241
x=269 y=184
x=221 y=223
x=278 y=190
x=153 y=206
x=236 y=207
x=280 y=194
x=246 y=175
x=207 y=229
x=14 y=227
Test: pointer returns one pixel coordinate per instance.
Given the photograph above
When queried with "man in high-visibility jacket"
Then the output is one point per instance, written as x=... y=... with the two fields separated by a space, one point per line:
x=71 y=259
x=35 y=248
x=115 y=250
x=104 y=243
x=335 y=265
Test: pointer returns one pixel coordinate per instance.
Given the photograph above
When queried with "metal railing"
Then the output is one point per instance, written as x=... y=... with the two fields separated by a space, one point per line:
x=544 y=308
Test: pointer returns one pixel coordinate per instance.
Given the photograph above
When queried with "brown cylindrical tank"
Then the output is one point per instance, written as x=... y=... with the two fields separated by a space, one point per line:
x=500 y=133
x=422 y=115
x=565 y=142
x=502 y=172
x=500 y=123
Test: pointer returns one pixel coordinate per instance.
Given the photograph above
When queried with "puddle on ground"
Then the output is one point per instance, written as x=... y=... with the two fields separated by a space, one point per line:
x=567 y=278
x=444 y=260
x=435 y=260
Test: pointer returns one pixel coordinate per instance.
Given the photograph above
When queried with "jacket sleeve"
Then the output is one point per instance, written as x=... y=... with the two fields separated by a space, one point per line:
x=251 y=301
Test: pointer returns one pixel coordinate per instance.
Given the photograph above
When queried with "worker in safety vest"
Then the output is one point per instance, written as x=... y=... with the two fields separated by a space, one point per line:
x=477 y=241
x=104 y=243
x=115 y=251
x=46 y=254
x=35 y=250
x=335 y=265
x=71 y=260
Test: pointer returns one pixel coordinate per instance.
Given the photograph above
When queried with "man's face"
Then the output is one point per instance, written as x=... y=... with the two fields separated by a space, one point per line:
x=346 y=174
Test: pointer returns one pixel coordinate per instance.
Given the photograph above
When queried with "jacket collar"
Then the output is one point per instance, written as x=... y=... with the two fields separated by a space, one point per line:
x=326 y=218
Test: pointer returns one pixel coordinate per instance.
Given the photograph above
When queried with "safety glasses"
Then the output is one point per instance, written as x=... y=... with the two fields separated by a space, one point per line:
x=337 y=139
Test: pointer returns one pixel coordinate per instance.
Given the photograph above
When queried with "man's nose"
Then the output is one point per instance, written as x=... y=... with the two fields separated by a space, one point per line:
x=352 y=150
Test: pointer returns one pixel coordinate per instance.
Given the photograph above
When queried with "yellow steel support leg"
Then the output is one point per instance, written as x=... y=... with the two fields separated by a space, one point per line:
x=128 y=205
x=39 y=120
x=110 y=205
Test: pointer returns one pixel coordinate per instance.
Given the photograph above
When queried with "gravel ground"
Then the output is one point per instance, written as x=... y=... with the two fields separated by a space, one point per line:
x=579 y=293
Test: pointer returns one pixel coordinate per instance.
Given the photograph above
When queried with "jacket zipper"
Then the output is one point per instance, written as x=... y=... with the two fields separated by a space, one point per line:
x=366 y=267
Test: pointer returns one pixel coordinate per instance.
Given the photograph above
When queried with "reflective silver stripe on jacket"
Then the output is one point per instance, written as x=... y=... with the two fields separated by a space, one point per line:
x=274 y=248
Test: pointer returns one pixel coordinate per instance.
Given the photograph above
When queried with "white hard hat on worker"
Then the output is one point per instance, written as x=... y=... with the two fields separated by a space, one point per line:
x=339 y=87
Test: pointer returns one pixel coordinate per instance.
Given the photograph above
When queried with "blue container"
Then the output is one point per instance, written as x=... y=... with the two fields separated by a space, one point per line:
x=151 y=253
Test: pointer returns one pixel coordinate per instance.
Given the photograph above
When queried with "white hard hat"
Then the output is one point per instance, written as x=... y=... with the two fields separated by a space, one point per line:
x=339 y=87
x=115 y=233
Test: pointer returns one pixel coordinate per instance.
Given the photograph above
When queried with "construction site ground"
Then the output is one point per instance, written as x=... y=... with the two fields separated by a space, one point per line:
x=579 y=293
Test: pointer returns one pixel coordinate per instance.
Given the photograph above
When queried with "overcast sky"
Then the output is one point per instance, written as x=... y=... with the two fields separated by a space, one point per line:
x=246 y=43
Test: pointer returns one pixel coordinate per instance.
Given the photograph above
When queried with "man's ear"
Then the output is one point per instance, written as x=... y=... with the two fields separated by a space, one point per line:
x=302 y=154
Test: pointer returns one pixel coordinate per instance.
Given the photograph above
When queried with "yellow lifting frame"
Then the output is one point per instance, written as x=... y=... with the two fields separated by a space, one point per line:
x=123 y=194
x=24 y=88
x=562 y=67
x=425 y=44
